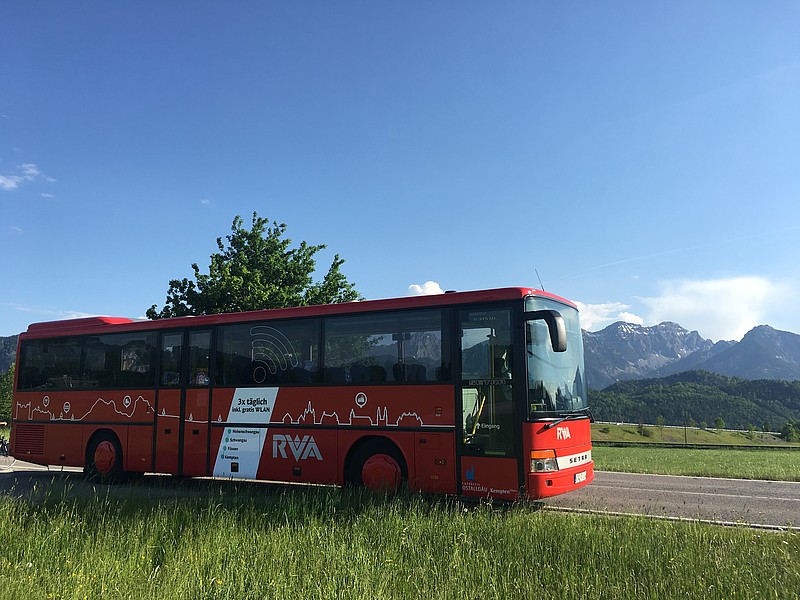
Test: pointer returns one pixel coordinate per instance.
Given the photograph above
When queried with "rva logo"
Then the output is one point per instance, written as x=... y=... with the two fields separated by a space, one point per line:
x=301 y=449
x=471 y=473
x=562 y=433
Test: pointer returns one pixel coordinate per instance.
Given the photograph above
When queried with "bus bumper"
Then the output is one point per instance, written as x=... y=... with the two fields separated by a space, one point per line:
x=544 y=485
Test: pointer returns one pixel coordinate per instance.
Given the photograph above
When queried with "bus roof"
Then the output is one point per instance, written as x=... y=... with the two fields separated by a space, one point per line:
x=101 y=324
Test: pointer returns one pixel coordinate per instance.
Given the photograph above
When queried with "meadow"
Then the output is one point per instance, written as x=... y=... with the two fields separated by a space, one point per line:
x=746 y=455
x=653 y=434
x=162 y=538
x=776 y=465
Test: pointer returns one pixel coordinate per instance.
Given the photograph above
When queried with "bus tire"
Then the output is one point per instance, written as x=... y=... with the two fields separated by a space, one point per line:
x=104 y=458
x=378 y=466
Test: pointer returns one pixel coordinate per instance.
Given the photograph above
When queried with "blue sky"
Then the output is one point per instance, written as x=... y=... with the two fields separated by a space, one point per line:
x=643 y=157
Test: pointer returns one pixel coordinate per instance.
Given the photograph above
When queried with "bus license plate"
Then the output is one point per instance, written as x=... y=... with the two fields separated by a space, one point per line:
x=580 y=477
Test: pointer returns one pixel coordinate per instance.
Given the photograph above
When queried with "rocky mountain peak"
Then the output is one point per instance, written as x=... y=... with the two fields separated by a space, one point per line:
x=624 y=351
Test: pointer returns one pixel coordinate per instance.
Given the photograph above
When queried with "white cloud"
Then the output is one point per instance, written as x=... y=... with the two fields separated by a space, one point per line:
x=205 y=201
x=30 y=171
x=25 y=172
x=597 y=316
x=426 y=289
x=10 y=182
x=720 y=309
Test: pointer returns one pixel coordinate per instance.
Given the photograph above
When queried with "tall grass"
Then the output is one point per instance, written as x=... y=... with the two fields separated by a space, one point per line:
x=169 y=539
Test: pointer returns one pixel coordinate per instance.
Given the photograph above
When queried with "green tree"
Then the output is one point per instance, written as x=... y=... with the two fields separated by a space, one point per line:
x=6 y=389
x=660 y=421
x=257 y=269
x=719 y=424
x=789 y=432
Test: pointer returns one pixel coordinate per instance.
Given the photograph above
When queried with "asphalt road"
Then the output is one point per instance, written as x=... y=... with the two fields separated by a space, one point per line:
x=772 y=504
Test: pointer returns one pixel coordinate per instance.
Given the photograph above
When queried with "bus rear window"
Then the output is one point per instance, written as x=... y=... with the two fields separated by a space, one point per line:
x=49 y=364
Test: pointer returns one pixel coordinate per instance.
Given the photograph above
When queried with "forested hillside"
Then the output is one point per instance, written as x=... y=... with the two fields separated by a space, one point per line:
x=700 y=397
x=8 y=350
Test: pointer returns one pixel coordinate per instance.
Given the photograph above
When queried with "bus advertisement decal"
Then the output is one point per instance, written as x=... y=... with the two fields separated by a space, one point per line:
x=240 y=452
x=252 y=405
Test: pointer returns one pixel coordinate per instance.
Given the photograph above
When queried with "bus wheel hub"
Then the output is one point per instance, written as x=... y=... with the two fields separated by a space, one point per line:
x=104 y=457
x=382 y=473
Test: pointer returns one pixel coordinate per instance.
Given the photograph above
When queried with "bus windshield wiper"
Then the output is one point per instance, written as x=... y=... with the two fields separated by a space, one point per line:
x=584 y=412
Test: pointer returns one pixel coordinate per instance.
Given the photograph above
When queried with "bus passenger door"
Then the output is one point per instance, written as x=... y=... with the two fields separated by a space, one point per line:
x=169 y=414
x=487 y=425
x=195 y=424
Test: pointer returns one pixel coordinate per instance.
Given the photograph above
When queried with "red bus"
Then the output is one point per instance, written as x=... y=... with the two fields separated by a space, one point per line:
x=473 y=393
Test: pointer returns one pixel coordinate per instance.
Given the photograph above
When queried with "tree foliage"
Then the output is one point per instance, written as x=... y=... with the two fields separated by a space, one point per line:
x=791 y=431
x=6 y=390
x=258 y=268
x=699 y=396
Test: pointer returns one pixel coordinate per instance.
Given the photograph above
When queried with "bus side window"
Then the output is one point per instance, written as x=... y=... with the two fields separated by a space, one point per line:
x=199 y=357
x=171 y=359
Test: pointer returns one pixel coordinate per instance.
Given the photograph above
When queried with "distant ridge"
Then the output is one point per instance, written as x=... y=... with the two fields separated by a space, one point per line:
x=624 y=351
x=699 y=398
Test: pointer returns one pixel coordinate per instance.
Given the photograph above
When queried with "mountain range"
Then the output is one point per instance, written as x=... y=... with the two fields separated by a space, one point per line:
x=624 y=351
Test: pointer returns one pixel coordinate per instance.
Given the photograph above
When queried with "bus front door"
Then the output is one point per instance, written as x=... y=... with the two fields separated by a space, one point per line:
x=488 y=462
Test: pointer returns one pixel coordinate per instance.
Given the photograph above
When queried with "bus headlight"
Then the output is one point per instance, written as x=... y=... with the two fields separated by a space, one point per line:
x=543 y=461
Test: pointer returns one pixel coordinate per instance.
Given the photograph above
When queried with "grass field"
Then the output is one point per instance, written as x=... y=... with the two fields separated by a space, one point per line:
x=165 y=538
x=775 y=463
x=739 y=464
x=223 y=540
x=612 y=432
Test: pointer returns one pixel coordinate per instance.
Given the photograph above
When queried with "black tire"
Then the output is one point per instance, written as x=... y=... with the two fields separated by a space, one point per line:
x=104 y=459
x=389 y=461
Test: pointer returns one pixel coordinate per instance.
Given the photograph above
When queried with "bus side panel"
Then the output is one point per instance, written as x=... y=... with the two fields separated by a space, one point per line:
x=435 y=463
x=253 y=428
x=168 y=422
x=50 y=426
x=139 y=453
x=302 y=455
x=388 y=406
x=489 y=477
x=195 y=433
x=63 y=445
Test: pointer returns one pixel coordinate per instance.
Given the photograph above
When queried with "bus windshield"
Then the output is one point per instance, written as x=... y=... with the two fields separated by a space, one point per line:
x=556 y=381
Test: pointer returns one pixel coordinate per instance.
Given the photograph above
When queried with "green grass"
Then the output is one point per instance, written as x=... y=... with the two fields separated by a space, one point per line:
x=778 y=465
x=217 y=540
x=611 y=432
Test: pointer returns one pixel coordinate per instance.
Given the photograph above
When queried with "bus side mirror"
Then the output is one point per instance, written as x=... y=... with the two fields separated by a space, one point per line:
x=556 y=327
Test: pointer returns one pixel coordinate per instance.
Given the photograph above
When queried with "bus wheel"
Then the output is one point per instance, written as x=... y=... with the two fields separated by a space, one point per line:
x=377 y=466
x=104 y=458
